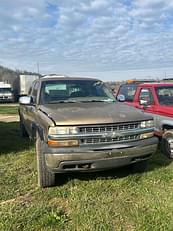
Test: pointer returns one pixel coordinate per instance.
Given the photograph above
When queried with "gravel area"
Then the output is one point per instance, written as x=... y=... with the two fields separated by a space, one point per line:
x=9 y=118
x=9 y=104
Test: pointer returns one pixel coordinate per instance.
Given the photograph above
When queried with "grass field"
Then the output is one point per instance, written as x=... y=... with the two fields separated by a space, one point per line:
x=6 y=109
x=113 y=200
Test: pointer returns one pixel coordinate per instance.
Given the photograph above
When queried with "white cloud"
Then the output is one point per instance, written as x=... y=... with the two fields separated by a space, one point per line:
x=94 y=6
x=86 y=36
x=151 y=12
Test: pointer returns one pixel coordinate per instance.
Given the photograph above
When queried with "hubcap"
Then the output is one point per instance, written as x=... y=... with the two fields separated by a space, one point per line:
x=169 y=145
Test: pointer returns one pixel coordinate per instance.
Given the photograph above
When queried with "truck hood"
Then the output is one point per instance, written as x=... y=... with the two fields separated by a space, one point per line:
x=92 y=113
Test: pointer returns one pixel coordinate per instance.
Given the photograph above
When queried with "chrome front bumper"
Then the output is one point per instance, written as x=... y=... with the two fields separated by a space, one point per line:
x=100 y=159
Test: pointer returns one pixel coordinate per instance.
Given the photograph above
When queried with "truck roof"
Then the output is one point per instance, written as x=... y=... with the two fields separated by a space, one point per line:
x=155 y=84
x=61 y=77
x=53 y=76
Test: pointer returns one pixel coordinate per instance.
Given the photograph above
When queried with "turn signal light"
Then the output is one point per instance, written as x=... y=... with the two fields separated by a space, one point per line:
x=63 y=143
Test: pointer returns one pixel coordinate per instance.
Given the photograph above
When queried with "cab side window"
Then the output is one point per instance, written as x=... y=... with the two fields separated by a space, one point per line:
x=145 y=97
x=30 y=90
x=128 y=90
x=34 y=91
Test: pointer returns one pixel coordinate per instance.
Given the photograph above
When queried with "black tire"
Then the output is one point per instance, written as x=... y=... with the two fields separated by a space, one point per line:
x=139 y=167
x=23 y=131
x=45 y=177
x=167 y=144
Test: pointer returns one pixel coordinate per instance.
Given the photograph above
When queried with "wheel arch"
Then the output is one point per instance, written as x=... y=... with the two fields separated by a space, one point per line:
x=166 y=127
x=36 y=128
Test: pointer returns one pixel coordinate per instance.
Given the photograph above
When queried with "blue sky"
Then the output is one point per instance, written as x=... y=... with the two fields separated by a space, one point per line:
x=110 y=39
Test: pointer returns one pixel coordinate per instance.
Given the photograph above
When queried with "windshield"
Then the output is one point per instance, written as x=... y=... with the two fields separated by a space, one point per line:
x=5 y=90
x=69 y=91
x=165 y=95
x=128 y=90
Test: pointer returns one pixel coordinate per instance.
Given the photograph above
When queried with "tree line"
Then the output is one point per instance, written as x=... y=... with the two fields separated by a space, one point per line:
x=8 y=75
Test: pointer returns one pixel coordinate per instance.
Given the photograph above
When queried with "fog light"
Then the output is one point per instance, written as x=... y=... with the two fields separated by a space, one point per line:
x=63 y=143
x=146 y=135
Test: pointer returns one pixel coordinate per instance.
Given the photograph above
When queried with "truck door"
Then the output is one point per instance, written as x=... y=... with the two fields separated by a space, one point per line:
x=146 y=100
x=31 y=109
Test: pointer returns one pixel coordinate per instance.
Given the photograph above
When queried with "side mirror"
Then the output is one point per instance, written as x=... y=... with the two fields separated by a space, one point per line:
x=121 y=98
x=144 y=102
x=25 y=100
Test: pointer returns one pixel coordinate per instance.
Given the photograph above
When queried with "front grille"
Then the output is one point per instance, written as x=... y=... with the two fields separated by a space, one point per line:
x=109 y=140
x=109 y=133
x=109 y=128
x=4 y=97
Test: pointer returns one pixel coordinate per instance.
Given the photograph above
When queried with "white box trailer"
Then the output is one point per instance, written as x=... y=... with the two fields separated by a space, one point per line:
x=6 y=92
x=25 y=83
x=22 y=84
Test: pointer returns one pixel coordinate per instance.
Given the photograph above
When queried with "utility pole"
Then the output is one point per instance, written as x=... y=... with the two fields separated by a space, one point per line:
x=38 y=68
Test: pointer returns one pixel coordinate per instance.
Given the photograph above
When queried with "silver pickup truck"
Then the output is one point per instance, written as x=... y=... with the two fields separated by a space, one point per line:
x=79 y=126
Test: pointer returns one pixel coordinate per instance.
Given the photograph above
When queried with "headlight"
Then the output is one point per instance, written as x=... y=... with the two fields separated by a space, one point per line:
x=147 y=124
x=63 y=130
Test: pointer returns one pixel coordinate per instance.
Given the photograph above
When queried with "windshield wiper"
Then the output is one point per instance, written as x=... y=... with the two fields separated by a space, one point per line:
x=81 y=101
x=96 y=100
x=63 y=101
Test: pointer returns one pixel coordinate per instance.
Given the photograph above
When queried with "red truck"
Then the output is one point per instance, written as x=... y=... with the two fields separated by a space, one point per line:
x=156 y=99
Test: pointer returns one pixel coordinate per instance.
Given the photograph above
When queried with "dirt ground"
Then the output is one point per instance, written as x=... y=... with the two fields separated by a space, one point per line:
x=6 y=117
x=9 y=118
x=9 y=104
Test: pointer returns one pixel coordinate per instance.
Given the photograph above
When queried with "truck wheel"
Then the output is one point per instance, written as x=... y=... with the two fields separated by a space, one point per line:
x=45 y=177
x=139 y=166
x=23 y=131
x=167 y=144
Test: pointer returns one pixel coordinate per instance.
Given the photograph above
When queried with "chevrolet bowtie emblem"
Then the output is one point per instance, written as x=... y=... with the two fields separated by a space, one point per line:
x=111 y=134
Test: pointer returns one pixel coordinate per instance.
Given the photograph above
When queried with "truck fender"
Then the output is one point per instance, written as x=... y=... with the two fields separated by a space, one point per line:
x=36 y=128
x=162 y=122
x=167 y=123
